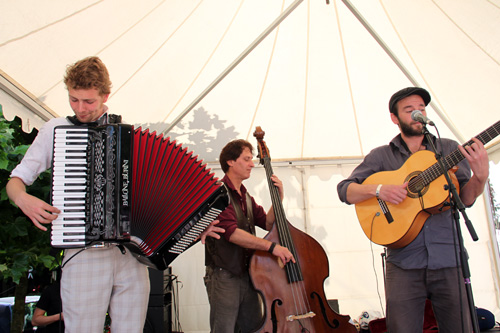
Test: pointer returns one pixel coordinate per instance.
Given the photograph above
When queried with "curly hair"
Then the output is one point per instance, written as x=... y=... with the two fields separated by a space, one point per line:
x=88 y=73
x=232 y=151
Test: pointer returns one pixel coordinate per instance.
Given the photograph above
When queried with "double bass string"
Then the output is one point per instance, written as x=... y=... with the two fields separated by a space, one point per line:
x=293 y=271
x=292 y=304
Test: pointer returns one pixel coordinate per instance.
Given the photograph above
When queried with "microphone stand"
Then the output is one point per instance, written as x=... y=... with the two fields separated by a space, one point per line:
x=455 y=203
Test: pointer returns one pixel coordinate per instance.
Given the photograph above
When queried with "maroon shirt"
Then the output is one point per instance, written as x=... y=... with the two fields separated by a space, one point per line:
x=227 y=219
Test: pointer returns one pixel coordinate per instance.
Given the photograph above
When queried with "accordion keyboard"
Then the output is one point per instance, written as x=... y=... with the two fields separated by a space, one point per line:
x=69 y=188
x=119 y=185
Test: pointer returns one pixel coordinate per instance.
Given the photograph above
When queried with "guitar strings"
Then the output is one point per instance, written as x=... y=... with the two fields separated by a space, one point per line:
x=434 y=171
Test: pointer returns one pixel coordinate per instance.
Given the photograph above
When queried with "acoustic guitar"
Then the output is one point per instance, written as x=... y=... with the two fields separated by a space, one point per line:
x=396 y=226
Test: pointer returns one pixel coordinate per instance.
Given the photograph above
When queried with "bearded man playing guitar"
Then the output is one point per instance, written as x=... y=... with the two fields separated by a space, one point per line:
x=422 y=261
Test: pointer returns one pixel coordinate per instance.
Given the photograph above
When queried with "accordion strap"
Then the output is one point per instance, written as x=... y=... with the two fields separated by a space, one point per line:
x=111 y=119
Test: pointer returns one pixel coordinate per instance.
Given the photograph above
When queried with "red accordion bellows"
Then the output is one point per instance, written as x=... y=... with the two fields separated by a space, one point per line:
x=114 y=184
x=168 y=183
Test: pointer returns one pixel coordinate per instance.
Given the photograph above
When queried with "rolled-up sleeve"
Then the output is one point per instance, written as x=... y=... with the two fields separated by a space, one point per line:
x=38 y=157
x=228 y=221
x=369 y=166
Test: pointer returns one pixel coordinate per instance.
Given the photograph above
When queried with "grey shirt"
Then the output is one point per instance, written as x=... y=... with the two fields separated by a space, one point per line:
x=433 y=248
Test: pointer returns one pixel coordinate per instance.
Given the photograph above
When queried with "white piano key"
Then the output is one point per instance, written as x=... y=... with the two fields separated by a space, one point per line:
x=69 y=155
x=70 y=160
x=70 y=169
x=72 y=233
x=70 y=149
x=62 y=194
x=61 y=142
x=68 y=244
x=65 y=180
x=62 y=188
x=71 y=175
x=63 y=204
x=61 y=227
x=71 y=129
x=67 y=134
x=72 y=217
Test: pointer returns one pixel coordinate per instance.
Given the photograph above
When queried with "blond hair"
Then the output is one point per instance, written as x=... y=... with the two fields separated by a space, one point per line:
x=88 y=73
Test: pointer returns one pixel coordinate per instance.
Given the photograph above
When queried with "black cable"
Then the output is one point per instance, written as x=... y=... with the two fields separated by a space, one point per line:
x=373 y=265
x=72 y=257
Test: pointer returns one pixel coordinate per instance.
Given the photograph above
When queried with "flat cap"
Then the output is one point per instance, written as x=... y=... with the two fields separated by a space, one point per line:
x=405 y=92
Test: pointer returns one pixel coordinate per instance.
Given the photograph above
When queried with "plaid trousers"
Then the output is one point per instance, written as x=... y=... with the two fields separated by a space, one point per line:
x=100 y=280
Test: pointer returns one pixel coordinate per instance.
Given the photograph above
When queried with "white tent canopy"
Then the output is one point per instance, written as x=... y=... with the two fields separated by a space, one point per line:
x=318 y=84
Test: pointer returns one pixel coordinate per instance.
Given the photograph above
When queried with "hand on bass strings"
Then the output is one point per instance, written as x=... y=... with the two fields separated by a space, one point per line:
x=283 y=253
x=279 y=184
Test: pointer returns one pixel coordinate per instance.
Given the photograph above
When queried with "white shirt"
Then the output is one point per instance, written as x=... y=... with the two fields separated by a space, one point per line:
x=38 y=158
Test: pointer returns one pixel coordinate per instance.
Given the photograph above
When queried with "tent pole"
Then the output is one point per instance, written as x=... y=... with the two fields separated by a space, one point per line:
x=235 y=63
x=21 y=95
x=401 y=66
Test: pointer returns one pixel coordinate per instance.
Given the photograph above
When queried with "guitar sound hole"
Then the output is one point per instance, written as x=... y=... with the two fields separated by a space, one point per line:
x=416 y=186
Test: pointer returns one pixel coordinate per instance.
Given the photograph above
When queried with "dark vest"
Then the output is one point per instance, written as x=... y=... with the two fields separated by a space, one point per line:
x=224 y=254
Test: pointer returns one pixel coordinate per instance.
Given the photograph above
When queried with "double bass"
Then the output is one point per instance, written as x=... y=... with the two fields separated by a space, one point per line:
x=293 y=294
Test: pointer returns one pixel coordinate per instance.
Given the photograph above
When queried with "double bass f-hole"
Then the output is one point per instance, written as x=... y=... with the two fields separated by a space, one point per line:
x=294 y=298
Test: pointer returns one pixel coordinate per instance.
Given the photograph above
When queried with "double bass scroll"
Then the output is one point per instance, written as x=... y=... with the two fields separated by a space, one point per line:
x=293 y=294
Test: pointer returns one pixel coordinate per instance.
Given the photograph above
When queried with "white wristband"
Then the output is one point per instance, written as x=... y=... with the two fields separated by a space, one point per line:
x=377 y=191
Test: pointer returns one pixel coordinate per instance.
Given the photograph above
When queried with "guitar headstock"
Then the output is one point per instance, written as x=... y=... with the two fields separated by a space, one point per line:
x=261 y=144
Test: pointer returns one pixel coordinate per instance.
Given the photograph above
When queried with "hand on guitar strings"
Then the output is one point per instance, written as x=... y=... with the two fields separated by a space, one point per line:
x=477 y=156
x=211 y=231
x=394 y=194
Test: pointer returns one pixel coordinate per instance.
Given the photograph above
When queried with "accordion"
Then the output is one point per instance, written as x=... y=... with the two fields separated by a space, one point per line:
x=114 y=184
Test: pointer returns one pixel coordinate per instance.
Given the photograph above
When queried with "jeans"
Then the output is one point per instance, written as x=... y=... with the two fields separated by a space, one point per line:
x=407 y=290
x=235 y=306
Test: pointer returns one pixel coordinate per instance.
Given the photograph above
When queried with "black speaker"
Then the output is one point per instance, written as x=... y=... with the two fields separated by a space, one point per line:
x=155 y=320
x=158 y=317
x=334 y=304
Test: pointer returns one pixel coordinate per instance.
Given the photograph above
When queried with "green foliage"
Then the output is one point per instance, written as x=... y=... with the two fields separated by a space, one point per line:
x=23 y=246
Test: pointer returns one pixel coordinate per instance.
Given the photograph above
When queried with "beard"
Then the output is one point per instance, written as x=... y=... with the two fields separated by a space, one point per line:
x=408 y=130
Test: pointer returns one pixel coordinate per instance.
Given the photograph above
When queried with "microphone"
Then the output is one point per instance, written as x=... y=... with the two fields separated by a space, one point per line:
x=417 y=115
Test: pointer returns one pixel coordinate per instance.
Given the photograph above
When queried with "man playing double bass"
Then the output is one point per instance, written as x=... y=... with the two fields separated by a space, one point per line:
x=427 y=266
x=234 y=303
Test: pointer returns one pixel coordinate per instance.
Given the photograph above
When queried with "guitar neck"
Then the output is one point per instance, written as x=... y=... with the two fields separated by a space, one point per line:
x=456 y=156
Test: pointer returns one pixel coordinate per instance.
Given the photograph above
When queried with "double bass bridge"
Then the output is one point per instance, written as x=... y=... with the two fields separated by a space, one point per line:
x=310 y=314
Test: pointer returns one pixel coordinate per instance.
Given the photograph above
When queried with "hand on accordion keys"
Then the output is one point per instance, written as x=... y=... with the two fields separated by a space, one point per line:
x=37 y=210
x=211 y=231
